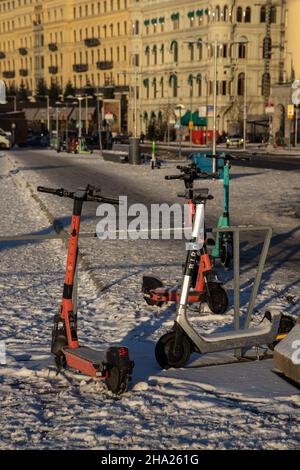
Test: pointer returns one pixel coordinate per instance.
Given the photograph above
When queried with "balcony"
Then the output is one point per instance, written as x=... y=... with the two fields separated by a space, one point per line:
x=52 y=46
x=2 y=55
x=53 y=69
x=105 y=65
x=79 y=68
x=23 y=72
x=92 y=42
x=23 y=51
x=9 y=74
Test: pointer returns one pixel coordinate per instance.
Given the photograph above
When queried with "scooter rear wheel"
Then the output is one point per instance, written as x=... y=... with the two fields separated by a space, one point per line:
x=117 y=381
x=217 y=298
x=164 y=351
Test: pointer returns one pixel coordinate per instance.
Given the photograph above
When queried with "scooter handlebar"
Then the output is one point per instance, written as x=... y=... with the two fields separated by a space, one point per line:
x=58 y=192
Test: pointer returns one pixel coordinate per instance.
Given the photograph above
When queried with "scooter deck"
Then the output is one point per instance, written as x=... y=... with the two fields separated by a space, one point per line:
x=86 y=360
x=173 y=295
x=264 y=329
x=263 y=334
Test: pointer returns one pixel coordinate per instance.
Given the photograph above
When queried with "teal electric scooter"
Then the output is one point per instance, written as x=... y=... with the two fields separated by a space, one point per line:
x=223 y=249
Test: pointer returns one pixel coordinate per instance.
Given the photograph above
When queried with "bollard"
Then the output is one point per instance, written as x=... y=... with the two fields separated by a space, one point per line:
x=134 y=151
x=153 y=155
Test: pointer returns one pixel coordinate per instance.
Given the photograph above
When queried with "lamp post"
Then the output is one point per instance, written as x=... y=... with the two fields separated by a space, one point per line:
x=14 y=97
x=87 y=97
x=214 y=44
x=99 y=97
x=135 y=99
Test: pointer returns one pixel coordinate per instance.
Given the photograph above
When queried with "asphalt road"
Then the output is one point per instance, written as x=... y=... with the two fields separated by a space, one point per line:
x=256 y=159
x=70 y=172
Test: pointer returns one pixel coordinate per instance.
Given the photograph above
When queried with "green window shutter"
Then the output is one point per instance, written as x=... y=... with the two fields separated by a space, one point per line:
x=199 y=12
x=161 y=19
x=191 y=14
x=146 y=82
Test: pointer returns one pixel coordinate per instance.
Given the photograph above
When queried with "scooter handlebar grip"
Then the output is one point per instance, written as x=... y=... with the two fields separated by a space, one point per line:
x=173 y=177
x=58 y=192
x=107 y=200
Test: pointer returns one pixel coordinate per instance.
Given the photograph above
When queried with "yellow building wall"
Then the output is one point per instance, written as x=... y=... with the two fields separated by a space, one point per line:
x=293 y=36
x=66 y=24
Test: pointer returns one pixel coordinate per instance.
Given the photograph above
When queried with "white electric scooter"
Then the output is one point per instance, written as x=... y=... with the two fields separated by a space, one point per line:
x=175 y=347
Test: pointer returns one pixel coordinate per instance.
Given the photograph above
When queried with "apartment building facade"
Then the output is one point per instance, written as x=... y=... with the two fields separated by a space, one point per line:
x=172 y=44
x=81 y=41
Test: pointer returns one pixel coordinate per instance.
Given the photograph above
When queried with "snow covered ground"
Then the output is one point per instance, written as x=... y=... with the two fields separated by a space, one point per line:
x=42 y=410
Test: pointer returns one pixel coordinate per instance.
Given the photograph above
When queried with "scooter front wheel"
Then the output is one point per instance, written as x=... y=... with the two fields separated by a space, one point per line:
x=217 y=298
x=117 y=381
x=164 y=351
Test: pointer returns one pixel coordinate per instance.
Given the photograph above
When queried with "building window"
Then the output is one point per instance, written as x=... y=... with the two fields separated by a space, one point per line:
x=162 y=51
x=241 y=84
x=267 y=48
x=200 y=49
x=248 y=15
x=173 y=85
x=266 y=84
x=155 y=55
x=225 y=13
x=217 y=13
x=136 y=27
x=273 y=14
x=263 y=14
x=224 y=86
x=242 y=50
x=239 y=14
x=199 y=85
x=174 y=50
x=154 y=83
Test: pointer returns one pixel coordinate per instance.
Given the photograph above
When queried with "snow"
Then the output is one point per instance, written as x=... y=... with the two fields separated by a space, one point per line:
x=193 y=408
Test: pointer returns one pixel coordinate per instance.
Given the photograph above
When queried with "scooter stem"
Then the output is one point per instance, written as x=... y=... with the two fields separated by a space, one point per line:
x=67 y=308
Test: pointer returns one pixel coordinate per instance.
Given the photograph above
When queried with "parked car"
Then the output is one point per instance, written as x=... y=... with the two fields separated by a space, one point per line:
x=234 y=140
x=92 y=140
x=5 y=140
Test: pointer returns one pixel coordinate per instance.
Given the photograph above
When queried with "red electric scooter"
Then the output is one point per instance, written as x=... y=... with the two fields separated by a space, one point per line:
x=205 y=285
x=114 y=365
